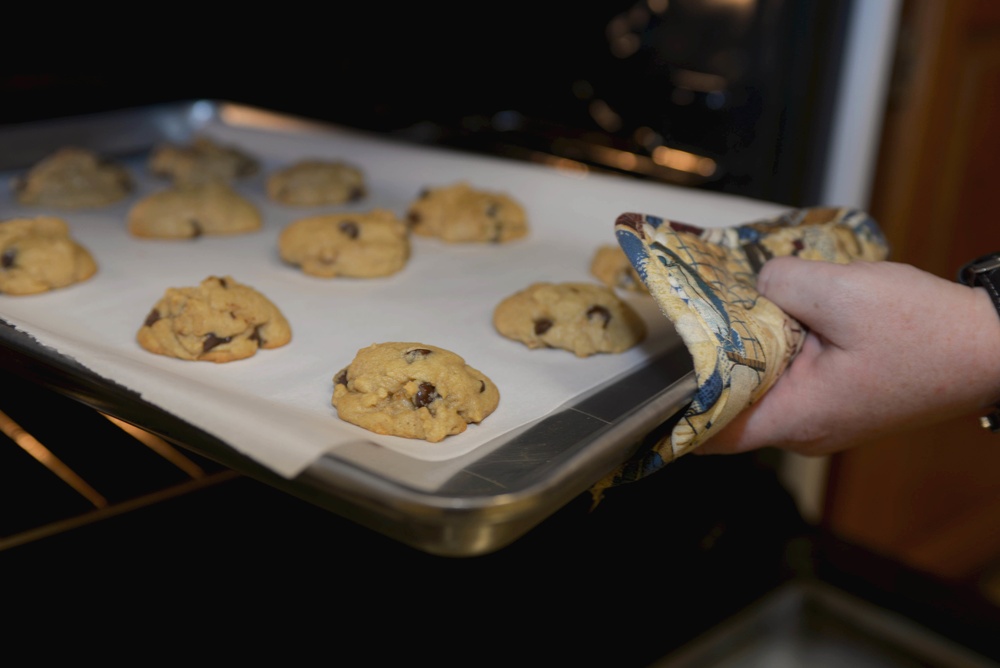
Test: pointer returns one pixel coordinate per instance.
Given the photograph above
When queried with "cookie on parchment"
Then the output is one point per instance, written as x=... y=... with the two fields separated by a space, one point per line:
x=200 y=161
x=188 y=211
x=412 y=390
x=316 y=183
x=360 y=245
x=39 y=254
x=73 y=178
x=611 y=267
x=461 y=213
x=220 y=320
x=583 y=318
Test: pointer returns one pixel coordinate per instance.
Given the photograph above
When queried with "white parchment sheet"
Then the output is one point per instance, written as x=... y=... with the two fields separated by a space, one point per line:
x=275 y=407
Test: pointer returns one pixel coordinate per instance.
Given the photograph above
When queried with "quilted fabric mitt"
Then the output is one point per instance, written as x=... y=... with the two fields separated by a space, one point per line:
x=704 y=280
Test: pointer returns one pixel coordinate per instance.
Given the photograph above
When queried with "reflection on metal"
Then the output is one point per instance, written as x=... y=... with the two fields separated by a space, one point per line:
x=684 y=161
x=701 y=82
x=666 y=164
x=160 y=447
x=44 y=456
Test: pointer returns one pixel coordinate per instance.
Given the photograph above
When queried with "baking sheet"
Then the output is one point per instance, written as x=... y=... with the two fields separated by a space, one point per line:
x=274 y=408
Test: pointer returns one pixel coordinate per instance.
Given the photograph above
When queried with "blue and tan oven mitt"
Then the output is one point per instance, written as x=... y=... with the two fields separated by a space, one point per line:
x=704 y=281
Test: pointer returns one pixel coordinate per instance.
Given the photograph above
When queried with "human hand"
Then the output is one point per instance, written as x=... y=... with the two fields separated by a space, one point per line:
x=890 y=347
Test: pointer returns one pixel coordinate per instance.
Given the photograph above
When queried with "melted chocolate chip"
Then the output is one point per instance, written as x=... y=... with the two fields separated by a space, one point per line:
x=356 y=194
x=223 y=283
x=246 y=167
x=542 y=325
x=196 y=228
x=415 y=354
x=211 y=341
x=8 y=257
x=413 y=218
x=256 y=336
x=599 y=312
x=482 y=386
x=151 y=319
x=426 y=394
x=492 y=209
x=341 y=378
x=349 y=228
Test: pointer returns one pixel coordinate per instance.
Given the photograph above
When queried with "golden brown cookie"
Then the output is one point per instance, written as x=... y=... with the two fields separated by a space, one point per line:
x=361 y=245
x=583 y=318
x=220 y=320
x=461 y=213
x=200 y=161
x=73 y=178
x=611 y=267
x=184 y=212
x=38 y=255
x=412 y=390
x=315 y=183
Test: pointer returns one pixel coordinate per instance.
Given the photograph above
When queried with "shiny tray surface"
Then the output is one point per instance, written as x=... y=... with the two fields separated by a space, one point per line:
x=467 y=497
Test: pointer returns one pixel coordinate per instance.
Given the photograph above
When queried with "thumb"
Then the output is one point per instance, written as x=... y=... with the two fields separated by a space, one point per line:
x=804 y=289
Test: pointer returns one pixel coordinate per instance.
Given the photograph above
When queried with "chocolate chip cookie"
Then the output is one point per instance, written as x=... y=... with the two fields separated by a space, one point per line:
x=316 y=183
x=220 y=320
x=412 y=390
x=201 y=161
x=461 y=213
x=611 y=266
x=583 y=318
x=188 y=211
x=73 y=178
x=39 y=254
x=362 y=245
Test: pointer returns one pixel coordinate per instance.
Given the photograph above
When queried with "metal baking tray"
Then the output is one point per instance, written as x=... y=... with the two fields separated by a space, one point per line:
x=482 y=498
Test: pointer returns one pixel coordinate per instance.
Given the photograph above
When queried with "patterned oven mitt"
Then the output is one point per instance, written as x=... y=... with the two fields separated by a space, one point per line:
x=704 y=281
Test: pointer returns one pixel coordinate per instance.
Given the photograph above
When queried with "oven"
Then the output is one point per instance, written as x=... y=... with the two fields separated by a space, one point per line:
x=770 y=100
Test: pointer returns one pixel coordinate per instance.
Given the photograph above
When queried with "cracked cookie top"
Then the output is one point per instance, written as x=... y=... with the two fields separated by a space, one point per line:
x=413 y=390
x=220 y=320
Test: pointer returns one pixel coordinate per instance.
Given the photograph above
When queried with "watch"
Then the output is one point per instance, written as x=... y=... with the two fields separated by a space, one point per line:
x=984 y=271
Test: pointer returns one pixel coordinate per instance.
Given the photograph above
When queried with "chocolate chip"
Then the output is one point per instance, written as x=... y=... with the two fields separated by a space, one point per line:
x=542 y=325
x=196 y=228
x=151 y=319
x=349 y=228
x=492 y=209
x=426 y=393
x=413 y=218
x=482 y=386
x=356 y=194
x=415 y=354
x=246 y=167
x=341 y=378
x=256 y=336
x=211 y=341
x=223 y=283
x=8 y=257
x=600 y=312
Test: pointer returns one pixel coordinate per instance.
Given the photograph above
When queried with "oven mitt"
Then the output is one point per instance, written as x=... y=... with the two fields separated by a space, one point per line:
x=704 y=281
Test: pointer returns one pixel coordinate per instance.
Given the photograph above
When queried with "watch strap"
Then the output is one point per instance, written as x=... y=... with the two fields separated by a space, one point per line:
x=984 y=272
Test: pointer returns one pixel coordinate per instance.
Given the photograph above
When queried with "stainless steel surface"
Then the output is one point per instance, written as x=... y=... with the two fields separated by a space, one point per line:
x=807 y=623
x=490 y=501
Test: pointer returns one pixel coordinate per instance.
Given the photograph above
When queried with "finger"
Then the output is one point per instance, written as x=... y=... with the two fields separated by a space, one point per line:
x=808 y=290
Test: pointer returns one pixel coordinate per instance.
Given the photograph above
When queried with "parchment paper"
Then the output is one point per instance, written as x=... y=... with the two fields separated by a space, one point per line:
x=275 y=407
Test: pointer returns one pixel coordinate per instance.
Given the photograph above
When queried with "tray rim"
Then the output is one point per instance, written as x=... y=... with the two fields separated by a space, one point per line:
x=451 y=524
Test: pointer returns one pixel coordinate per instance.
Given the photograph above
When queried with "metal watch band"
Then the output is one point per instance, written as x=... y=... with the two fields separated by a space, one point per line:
x=984 y=271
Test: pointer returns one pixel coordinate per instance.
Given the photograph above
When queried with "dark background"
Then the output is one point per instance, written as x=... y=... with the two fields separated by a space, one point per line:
x=658 y=562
